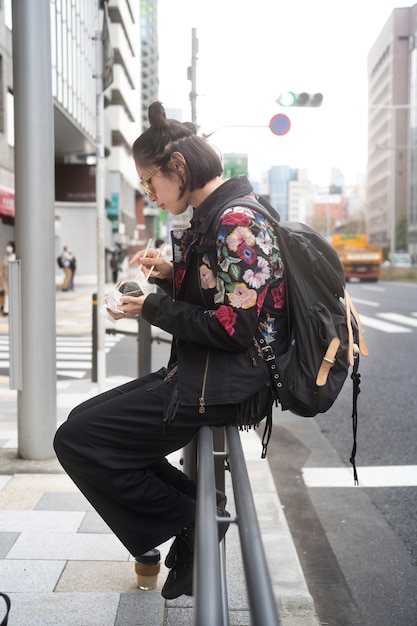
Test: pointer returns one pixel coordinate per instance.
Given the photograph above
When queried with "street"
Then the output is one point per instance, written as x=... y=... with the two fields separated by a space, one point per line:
x=358 y=545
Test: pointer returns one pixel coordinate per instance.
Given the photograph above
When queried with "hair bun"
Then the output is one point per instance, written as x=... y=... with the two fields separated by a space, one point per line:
x=191 y=127
x=157 y=116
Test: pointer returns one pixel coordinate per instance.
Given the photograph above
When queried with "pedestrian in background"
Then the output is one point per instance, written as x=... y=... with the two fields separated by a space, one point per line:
x=9 y=256
x=114 y=266
x=73 y=267
x=114 y=446
x=66 y=259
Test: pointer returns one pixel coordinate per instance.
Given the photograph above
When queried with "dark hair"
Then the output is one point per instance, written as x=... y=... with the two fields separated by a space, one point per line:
x=155 y=146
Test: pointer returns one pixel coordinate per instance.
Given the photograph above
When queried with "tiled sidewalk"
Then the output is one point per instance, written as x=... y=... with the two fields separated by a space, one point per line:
x=62 y=566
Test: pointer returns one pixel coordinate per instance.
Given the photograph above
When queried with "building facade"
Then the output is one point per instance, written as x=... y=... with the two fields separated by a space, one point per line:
x=75 y=26
x=6 y=127
x=392 y=101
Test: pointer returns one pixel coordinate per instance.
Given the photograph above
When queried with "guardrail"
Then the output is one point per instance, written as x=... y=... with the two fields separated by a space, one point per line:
x=210 y=585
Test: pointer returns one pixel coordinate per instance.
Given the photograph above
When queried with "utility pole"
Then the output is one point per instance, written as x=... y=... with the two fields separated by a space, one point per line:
x=33 y=309
x=104 y=77
x=192 y=75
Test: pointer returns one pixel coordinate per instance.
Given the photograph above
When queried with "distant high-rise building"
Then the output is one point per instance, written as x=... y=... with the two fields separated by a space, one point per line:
x=149 y=55
x=392 y=129
x=279 y=179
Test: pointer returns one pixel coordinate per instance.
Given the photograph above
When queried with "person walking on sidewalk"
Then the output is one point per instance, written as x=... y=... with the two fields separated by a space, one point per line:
x=114 y=446
x=66 y=260
x=9 y=256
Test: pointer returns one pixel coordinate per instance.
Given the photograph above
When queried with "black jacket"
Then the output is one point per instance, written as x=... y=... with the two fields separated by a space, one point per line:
x=213 y=312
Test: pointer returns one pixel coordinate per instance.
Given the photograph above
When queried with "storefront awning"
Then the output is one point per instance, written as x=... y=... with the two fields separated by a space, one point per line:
x=6 y=202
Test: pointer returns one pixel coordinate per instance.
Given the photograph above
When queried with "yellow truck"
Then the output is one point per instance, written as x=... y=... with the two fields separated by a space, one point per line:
x=360 y=259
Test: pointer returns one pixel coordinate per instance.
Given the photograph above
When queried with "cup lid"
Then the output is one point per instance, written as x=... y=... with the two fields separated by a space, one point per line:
x=149 y=558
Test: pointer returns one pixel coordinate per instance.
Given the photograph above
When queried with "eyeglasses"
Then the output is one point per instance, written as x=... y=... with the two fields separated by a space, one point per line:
x=146 y=182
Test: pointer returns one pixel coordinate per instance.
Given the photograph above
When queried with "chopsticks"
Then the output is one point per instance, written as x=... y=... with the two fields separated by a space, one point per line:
x=157 y=257
x=148 y=245
x=152 y=266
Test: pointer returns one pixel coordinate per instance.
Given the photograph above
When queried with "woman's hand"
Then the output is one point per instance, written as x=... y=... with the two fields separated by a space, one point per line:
x=154 y=265
x=129 y=306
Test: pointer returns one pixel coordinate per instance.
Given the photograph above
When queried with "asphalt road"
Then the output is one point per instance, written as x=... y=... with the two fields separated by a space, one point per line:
x=358 y=545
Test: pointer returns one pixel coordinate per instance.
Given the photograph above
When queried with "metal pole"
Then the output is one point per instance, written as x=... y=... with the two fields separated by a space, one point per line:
x=35 y=229
x=100 y=200
x=219 y=444
x=207 y=579
x=258 y=581
x=94 y=318
x=193 y=78
x=144 y=347
x=393 y=188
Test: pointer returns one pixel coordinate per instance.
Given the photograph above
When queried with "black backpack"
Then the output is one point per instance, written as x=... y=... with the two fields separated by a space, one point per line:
x=59 y=261
x=325 y=332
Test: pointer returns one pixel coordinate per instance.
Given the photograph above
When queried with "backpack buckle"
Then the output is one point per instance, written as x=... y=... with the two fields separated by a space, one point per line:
x=267 y=353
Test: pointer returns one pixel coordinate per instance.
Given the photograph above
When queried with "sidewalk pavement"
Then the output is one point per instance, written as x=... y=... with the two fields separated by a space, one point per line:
x=60 y=564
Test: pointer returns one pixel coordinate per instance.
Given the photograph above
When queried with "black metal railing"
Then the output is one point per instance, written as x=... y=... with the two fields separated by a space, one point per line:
x=210 y=585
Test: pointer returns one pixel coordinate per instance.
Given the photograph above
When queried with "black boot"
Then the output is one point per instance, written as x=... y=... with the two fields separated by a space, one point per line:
x=180 y=558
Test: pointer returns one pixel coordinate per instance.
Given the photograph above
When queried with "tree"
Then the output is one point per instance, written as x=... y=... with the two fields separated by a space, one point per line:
x=401 y=228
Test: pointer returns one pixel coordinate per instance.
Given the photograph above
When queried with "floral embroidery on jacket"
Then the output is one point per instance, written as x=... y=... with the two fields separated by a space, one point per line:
x=246 y=285
x=207 y=278
x=250 y=268
x=227 y=318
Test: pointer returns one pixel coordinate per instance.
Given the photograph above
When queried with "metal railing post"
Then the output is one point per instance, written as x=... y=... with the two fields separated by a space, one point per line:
x=207 y=581
x=144 y=347
x=258 y=581
x=94 y=338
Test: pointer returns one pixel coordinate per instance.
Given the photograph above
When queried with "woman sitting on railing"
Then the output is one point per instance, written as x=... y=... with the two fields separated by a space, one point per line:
x=214 y=302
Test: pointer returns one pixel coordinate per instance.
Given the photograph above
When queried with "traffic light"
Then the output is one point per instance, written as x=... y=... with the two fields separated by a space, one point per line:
x=303 y=99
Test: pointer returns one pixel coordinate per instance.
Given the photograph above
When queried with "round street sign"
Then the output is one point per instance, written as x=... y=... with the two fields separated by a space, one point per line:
x=280 y=124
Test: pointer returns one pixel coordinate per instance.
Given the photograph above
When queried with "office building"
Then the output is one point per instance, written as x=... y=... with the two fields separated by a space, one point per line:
x=392 y=130
x=74 y=28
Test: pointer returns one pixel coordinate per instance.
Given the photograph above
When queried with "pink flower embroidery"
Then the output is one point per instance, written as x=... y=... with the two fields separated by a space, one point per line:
x=207 y=277
x=227 y=318
x=261 y=298
x=233 y=218
x=240 y=235
x=179 y=277
x=242 y=297
x=278 y=294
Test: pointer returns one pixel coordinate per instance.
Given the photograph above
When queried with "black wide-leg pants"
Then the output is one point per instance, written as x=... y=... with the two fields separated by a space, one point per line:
x=113 y=447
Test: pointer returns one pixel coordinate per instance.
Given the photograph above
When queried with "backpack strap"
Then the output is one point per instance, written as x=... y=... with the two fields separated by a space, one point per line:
x=328 y=361
x=363 y=348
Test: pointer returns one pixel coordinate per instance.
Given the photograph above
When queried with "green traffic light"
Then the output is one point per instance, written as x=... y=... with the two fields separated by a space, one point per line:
x=303 y=99
x=286 y=99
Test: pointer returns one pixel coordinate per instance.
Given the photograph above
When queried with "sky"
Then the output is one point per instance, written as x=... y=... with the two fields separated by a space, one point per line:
x=250 y=52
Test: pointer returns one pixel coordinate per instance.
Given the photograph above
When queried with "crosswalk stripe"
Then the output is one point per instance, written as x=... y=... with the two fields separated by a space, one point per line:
x=366 y=302
x=72 y=365
x=74 y=356
x=369 y=476
x=386 y=327
x=400 y=319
